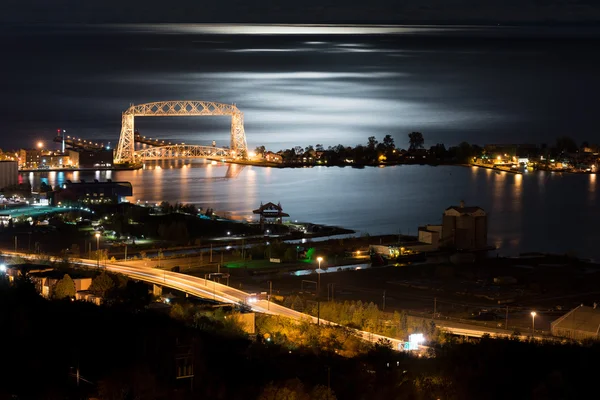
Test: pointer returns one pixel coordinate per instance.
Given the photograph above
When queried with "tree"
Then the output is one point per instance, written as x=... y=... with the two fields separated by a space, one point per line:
x=319 y=147
x=102 y=284
x=388 y=142
x=438 y=151
x=321 y=392
x=64 y=288
x=415 y=140
x=292 y=389
x=298 y=150
x=372 y=143
x=290 y=254
x=260 y=151
x=297 y=304
x=565 y=144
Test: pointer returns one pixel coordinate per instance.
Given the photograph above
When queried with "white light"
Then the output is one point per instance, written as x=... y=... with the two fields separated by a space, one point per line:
x=2 y=268
x=416 y=338
x=228 y=233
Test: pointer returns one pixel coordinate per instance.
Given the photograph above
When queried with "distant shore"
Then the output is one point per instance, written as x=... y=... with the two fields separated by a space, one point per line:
x=114 y=168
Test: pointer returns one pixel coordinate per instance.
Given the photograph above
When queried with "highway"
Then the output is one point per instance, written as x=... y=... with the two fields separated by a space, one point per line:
x=209 y=289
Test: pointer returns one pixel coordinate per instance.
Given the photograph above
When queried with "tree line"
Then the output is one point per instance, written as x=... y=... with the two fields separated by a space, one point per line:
x=376 y=152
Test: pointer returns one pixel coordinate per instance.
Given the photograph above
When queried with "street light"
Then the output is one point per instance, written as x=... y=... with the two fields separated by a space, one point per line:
x=98 y=247
x=319 y=259
x=533 y=314
x=40 y=145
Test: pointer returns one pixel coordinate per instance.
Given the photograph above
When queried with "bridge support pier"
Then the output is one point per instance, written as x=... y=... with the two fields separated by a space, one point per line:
x=157 y=290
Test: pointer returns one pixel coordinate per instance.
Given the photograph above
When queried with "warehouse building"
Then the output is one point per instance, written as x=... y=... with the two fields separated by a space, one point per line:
x=9 y=173
x=580 y=323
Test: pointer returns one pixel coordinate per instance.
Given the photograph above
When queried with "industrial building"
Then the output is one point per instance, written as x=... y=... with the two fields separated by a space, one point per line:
x=9 y=173
x=464 y=228
x=47 y=159
x=580 y=323
x=95 y=158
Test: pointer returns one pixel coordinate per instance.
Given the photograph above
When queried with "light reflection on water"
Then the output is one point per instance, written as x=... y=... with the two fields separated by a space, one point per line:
x=530 y=212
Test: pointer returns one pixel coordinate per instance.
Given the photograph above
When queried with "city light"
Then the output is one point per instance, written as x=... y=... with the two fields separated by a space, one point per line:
x=40 y=145
x=2 y=268
x=414 y=341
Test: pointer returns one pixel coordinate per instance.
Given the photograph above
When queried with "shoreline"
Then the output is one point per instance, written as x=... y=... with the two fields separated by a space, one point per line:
x=127 y=168
x=312 y=165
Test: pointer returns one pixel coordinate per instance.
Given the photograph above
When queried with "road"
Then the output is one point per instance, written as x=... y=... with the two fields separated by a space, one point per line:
x=216 y=291
x=211 y=290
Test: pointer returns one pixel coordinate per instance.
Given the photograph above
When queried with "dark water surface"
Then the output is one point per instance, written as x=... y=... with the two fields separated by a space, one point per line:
x=532 y=212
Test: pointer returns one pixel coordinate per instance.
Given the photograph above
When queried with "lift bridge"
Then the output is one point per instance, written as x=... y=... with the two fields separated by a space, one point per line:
x=126 y=152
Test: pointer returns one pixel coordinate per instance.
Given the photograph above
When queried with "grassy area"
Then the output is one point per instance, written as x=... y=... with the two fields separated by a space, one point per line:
x=266 y=264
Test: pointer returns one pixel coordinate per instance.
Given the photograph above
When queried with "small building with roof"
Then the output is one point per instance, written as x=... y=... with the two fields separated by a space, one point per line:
x=580 y=323
x=270 y=213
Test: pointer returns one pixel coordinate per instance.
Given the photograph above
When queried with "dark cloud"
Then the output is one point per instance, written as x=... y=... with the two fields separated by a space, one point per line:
x=306 y=11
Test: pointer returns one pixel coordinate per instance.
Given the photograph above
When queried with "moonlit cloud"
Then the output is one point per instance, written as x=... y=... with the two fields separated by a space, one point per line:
x=281 y=29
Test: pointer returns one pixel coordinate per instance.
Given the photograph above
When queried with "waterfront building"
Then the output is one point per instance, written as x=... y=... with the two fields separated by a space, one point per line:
x=273 y=157
x=464 y=228
x=270 y=213
x=96 y=192
x=430 y=234
x=9 y=173
x=45 y=159
x=96 y=158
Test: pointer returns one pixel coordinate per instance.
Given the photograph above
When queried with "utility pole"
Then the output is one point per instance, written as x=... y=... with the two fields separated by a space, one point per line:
x=270 y=294
x=434 y=306
x=506 y=321
x=125 y=252
x=319 y=285
x=15 y=243
x=383 y=308
x=318 y=312
x=211 y=252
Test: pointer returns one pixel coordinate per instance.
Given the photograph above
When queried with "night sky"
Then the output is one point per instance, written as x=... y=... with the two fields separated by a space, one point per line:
x=306 y=11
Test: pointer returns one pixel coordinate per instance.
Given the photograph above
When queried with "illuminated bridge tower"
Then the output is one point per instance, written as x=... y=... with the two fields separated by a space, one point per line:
x=186 y=108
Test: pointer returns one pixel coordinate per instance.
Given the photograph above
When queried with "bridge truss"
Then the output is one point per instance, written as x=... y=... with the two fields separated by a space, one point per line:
x=185 y=108
x=182 y=151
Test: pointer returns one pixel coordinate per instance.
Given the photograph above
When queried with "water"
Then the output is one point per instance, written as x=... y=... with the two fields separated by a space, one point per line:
x=541 y=211
x=318 y=84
